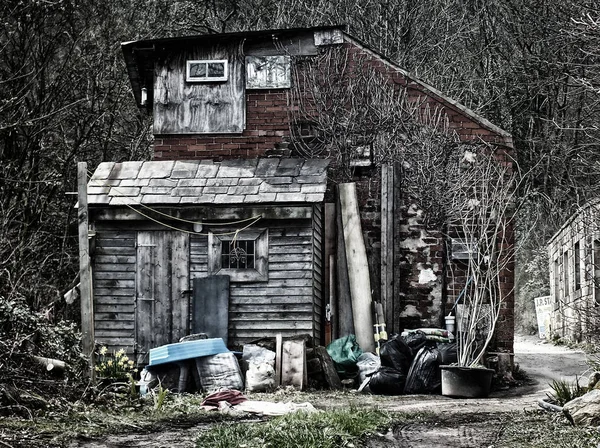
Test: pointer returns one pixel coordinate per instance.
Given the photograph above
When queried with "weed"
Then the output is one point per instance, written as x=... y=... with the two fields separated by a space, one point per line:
x=327 y=429
x=159 y=397
x=563 y=391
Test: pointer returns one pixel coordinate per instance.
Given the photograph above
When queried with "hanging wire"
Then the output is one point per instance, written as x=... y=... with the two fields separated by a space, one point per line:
x=254 y=219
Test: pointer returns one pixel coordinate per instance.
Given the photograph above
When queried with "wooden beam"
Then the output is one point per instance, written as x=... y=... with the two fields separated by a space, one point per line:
x=85 y=277
x=329 y=247
x=387 y=242
x=358 y=267
x=207 y=213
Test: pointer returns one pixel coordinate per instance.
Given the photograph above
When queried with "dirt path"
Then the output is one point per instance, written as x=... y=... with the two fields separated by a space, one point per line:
x=477 y=423
x=462 y=423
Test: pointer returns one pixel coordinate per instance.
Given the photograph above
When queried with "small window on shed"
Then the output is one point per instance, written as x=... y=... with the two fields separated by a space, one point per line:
x=237 y=254
x=206 y=70
x=243 y=257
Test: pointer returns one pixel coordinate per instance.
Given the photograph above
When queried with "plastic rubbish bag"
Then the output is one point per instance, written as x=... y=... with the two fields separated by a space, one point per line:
x=424 y=376
x=345 y=353
x=387 y=381
x=448 y=354
x=415 y=340
x=367 y=364
x=396 y=354
x=260 y=377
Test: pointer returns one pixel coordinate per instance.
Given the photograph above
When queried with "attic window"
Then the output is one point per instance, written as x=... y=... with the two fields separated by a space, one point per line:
x=243 y=257
x=206 y=70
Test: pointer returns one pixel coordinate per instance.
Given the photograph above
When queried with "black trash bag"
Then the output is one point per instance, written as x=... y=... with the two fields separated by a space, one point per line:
x=387 y=381
x=424 y=376
x=396 y=354
x=448 y=353
x=416 y=340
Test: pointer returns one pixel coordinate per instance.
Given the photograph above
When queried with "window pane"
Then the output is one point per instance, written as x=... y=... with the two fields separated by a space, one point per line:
x=216 y=70
x=198 y=69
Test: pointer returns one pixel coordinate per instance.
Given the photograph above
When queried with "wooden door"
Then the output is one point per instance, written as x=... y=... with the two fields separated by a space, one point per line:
x=162 y=277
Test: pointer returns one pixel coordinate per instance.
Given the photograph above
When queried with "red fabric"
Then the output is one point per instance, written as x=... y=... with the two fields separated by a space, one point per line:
x=231 y=396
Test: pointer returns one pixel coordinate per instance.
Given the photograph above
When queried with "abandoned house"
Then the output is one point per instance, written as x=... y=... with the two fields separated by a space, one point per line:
x=574 y=266
x=226 y=153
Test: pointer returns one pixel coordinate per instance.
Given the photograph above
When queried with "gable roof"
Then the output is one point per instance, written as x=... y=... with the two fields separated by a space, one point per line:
x=240 y=181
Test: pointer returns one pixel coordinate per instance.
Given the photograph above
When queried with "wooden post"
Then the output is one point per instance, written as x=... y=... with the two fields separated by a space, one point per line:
x=329 y=246
x=85 y=277
x=387 y=242
x=358 y=267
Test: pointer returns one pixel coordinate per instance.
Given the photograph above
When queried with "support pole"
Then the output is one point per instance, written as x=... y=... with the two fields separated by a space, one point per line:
x=85 y=277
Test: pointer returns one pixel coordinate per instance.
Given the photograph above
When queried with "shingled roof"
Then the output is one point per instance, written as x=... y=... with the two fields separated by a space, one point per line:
x=243 y=181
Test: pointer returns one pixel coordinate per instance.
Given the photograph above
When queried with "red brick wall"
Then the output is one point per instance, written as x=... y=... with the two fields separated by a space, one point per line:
x=267 y=123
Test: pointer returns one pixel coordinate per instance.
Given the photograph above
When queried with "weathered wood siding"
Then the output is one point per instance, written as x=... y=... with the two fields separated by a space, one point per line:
x=318 y=283
x=114 y=262
x=286 y=302
x=182 y=107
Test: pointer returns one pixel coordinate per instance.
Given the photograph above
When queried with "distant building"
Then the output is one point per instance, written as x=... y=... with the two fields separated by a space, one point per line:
x=574 y=257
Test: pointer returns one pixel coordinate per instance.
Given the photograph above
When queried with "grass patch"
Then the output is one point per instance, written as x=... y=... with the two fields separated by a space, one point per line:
x=327 y=429
x=542 y=430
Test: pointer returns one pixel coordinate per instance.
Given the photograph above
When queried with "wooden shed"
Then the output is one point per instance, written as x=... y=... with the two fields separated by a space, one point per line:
x=233 y=248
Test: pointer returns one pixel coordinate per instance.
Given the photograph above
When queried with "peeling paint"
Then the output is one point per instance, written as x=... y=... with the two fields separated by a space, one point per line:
x=410 y=311
x=427 y=276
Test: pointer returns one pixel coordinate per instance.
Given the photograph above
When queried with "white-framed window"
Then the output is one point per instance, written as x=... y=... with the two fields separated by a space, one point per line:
x=243 y=257
x=206 y=70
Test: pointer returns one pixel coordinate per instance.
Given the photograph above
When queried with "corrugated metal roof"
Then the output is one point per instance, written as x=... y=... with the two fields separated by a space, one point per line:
x=240 y=181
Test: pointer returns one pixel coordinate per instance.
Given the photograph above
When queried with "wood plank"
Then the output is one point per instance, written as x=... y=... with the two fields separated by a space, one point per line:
x=276 y=250
x=212 y=213
x=114 y=316
x=266 y=308
x=162 y=324
x=291 y=258
x=283 y=316
x=211 y=306
x=145 y=278
x=299 y=326
x=114 y=296
x=293 y=364
x=114 y=275
x=291 y=266
x=291 y=241
x=120 y=259
x=275 y=300
x=358 y=268
x=345 y=321
x=115 y=251
x=278 y=352
x=118 y=267
x=387 y=241
x=85 y=277
x=112 y=308
x=296 y=291
x=180 y=282
x=277 y=283
x=331 y=376
x=110 y=242
x=114 y=284
x=114 y=325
